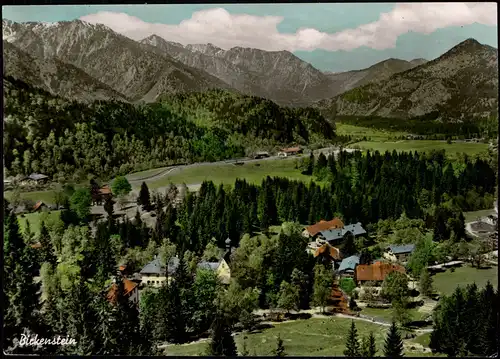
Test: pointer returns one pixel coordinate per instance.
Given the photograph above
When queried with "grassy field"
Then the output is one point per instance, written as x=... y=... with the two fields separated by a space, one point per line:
x=423 y=339
x=35 y=219
x=45 y=196
x=373 y=134
x=446 y=282
x=423 y=146
x=472 y=216
x=227 y=173
x=311 y=337
x=386 y=314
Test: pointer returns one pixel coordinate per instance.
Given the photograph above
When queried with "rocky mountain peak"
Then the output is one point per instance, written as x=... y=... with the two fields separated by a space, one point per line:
x=207 y=49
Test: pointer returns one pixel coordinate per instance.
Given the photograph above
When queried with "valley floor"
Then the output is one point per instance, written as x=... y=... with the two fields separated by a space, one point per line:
x=317 y=336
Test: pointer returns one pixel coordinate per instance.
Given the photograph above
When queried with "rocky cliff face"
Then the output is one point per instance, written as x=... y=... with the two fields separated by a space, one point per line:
x=138 y=71
x=461 y=83
x=55 y=76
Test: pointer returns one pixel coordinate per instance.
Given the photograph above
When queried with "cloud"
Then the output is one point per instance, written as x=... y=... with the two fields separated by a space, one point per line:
x=219 y=27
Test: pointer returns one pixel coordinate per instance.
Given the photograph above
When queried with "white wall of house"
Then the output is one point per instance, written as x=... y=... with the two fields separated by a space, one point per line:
x=154 y=280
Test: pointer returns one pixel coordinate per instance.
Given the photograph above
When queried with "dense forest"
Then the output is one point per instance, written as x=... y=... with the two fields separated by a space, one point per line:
x=70 y=140
x=398 y=198
x=428 y=126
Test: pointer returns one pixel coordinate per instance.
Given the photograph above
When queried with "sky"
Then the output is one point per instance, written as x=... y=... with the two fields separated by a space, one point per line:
x=331 y=36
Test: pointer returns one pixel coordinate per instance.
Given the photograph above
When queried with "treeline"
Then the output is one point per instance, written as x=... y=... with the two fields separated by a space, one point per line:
x=428 y=126
x=360 y=188
x=70 y=140
x=466 y=322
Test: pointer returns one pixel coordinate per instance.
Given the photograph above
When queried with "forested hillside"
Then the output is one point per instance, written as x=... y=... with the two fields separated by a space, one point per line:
x=70 y=140
x=428 y=126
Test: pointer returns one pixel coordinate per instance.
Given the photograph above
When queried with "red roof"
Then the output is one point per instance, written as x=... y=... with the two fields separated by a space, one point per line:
x=331 y=251
x=324 y=226
x=291 y=149
x=105 y=190
x=128 y=285
x=122 y=267
x=38 y=205
x=36 y=245
x=376 y=271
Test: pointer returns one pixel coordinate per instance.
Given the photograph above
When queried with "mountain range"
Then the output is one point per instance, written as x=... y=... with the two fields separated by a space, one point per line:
x=83 y=61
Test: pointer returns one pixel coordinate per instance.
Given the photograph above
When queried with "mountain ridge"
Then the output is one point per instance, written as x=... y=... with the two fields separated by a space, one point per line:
x=461 y=82
x=139 y=71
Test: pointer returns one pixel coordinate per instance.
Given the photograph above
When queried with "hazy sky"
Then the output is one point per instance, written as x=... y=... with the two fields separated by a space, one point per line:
x=333 y=37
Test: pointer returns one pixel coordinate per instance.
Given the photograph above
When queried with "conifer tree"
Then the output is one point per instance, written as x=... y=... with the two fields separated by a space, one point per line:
x=372 y=346
x=244 y=350
x=20 y=292
x=47 y=249
x=221 y=340
x=109 y=207
x=280 y=348
x=393 y=347
x=144 y=198
x=352 y=345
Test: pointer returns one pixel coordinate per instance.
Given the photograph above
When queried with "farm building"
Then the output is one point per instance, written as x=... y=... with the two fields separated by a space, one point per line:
x=336 y=235
x=348 y=266
x=399 y=253
x=313 y=230
x=285 y=152
x=35 y=179
x=40 y=206
x=375 y=272
x=130 y=290
x=261 y=154
x=102 y=195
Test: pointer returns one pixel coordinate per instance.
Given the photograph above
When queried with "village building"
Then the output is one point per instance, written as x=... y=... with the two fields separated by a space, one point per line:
x=348 y=266
x=400 y=254
x=261 y=154
x=155 y=274
x=130 y=290
x=336 y=235
x=375 y=272
x=285 y=152
x=313 y=230
x=221 y=268
x=101 y=195
x=326 y=251
x=40 y=206
x=35 y=179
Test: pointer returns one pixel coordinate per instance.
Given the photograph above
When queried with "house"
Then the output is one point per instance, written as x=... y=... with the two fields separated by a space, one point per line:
x=336 y=235
x=40 y=206
x=101 y=195
x=399 y=253
x=313 y=230
x=375 y=272
x=348 y=266
x=261 y=154
x=221 y=267
x=327 y=251
x=36 y=245
x=35 y=179
x=130 y=290
x=154 y=273
x=285 y=152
